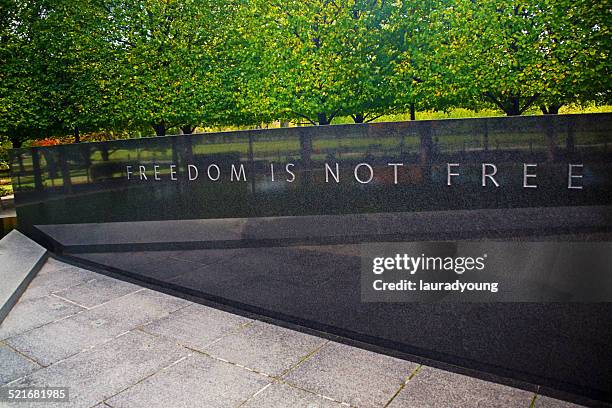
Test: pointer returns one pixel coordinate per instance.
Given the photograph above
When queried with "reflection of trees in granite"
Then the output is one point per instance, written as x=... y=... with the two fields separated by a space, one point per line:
x=423 y=147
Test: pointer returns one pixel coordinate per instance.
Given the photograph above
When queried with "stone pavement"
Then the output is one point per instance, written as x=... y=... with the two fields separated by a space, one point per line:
x=115 y=344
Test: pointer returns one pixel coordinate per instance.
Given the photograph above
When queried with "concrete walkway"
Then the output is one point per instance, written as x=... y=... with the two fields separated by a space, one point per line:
x=115 y=344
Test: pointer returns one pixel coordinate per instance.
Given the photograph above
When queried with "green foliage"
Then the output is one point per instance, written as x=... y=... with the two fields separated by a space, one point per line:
x=6 y=190
x=115 y=67
x=22 y=109
x=515 y=54
x=325 y=58
x=166 y=54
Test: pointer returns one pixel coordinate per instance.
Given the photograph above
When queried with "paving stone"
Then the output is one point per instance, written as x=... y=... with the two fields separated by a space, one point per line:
x=56 y=341
x=104 y=371
x=282 y=395
x=49 y=281
x=54 y=264
x=197 y=326
x=547 y=402
x=197 y=381
x=98 y=291
x=28 y=314
x=351 y=375
x=434 y=388
x=265 y=348
x=13 y=365
x=66 y=337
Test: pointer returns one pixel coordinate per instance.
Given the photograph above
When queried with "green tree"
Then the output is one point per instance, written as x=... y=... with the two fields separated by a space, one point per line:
x=324 y=58
x=76 y=59
x=245 y=94
x=518 y=54
x=22 y=108
x=420 y=75
x=168 y=70
x=371 y=45
x=55 y=69
x=577 y=58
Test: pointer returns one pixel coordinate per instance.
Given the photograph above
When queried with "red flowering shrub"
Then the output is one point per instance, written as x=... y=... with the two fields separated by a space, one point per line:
x=49 y=141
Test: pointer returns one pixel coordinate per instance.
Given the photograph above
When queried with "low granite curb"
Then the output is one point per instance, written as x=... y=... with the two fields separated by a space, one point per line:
x=20 y=260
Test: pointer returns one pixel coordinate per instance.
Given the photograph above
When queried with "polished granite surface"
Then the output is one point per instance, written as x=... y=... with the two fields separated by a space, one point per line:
x=325 y=170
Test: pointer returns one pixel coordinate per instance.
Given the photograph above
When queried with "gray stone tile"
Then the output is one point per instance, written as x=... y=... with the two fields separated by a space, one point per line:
x=351 y=375
x=434 y=388
x=547 y=402
x=282 y=395
x=66 y=337
x=31 y=313
x=54 y=264
x=197 y=326
x=197 y=381
x=98 y=291
x=49 y=281
x=56 y=341
x=13 y=365
x=265 y=348
x=104 y=371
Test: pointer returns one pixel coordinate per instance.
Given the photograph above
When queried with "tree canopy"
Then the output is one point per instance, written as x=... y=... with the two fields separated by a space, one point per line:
x=73 y=66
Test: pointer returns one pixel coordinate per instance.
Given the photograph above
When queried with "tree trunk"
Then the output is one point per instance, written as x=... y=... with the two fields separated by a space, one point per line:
x=550 y=137
x=38 y=185
x=175 y=154
x=65 y=168
x=187 y=150
x=359 y=118
x=552 y=109
x=412 y=112
x=51 y=164
x=322 y=119
x=17 y=143
x=570 y=142
x=104 y=152
x=485 y=138
x=77 y=136
x=86 y=154
x=426 y=149
x=512 y=107
x=160 y=128
x=187 y=129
